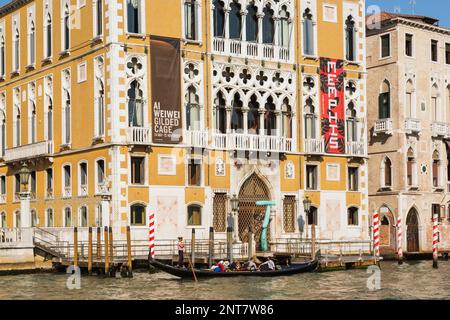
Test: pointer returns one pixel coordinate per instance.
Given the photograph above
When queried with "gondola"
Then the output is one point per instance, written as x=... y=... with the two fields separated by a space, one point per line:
x=294 y=268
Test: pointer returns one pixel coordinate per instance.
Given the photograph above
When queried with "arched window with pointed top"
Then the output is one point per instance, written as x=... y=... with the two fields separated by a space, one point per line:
x=352 y=132
x=284 y=28
x=411 y=168
x=384 y=101
x=268 y=25
x=219 y=19
x=251 y=21
x=237 y=117
x=436 y=170
x=270 y=117
x=67 y=110
x=253 y=115
x=135 y=105
x=65 y=28
x=308 y=33
x=17 y=117
x=220 y=113
x=2 y=56
x=48 y=36
x=235 y=20
x=310 y=119
x=31 y=43
x=386 y=173
x=350 y=38
x=286 y=110
x=192 y=109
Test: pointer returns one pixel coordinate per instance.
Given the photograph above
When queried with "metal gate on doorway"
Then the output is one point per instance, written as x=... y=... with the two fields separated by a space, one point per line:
x=251 y=216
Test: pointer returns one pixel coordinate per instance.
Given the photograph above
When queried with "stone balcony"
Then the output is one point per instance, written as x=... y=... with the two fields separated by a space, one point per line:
x=355 y=149
x=29 y=151
x=139 y=135
x=196 y=138
x=244 y=49
x=252 y=142
x=413 y=126
x=383 y=126
x=314 y=146
x=439 y=129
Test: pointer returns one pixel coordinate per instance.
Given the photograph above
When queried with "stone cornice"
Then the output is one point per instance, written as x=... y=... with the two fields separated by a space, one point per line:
x=12 y=6
x=407 y=22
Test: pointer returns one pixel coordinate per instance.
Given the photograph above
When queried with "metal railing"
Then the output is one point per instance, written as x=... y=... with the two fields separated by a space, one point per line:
x=327 y=247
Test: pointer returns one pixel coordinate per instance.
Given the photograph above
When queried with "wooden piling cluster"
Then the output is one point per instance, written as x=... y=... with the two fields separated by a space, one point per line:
x=108 y=267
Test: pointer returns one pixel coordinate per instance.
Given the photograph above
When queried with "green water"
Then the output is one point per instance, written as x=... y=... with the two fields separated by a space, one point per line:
x=412 y=280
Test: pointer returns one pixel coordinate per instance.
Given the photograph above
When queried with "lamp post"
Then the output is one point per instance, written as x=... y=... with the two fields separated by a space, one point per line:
x=25 y=214
x=307 y=207
x=234 y=209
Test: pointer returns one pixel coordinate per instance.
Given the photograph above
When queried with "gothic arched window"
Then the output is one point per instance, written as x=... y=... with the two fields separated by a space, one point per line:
x=135 y=105
x=219 y=19
x=252 y=23
x=235 y=20
x=268 y=27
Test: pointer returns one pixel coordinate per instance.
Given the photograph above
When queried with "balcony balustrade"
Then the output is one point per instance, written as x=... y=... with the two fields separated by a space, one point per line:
x=413 y=126
x=384 y=126
x=252 y=142
x=29 y=151
x=355 y=149
x=439 y=129
x=196 y=138
x=262 y=51
x=314 y=146
x=139 y=135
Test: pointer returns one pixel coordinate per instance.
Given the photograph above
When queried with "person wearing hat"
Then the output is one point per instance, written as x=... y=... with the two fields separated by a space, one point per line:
x=180 y=247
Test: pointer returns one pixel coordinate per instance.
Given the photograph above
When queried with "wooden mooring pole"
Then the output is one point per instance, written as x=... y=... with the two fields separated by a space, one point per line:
x=106 y=251
x=75 y=247
x=250 y=245
x=313 y=241
x=99 y=243
x=193 y=248
x=130 y=262
x=230 y=243
x=211 y=246
x=90 y=251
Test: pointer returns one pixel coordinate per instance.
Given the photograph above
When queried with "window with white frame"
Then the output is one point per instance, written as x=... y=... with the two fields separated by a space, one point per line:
x=99 y=98
x=67 y=217
x=3 y=220
x=284 y=27
x=435 y=104
x=436 y=170
x=312 y=177
x=98 y=17
x=410 y=105
x=99 y=215
x=351 y=123
x=16 y=45
x=194 y=172
x=135 y=16
x=17 y=220
x=67 y=181
x=34 y=218
x=411 y=169
x=65 y=26
x=2 y=124
x=137 y=215
x=17 y=186
x=100 y=176
x=48 y=30
x=66 y=108
x=310 y=119
x=49 y=218
x=194 y=215
x=192 y=12
x=48 y=108
x=386 y=173
x=309 y=33
x=49 y=183
x=83 y=179
x=353 y=179
x=17 y=115
x=3 y=189
x=31 y=37
x=350 y=39
x=83 y=217
x=352 y=216
x=32 y=113
x=135 y=105
x=2 y=51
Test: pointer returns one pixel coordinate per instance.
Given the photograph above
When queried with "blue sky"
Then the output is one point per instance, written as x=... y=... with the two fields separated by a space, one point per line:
x=435 y=8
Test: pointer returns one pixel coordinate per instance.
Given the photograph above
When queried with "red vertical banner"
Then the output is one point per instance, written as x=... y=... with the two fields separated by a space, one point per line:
x=332 y=98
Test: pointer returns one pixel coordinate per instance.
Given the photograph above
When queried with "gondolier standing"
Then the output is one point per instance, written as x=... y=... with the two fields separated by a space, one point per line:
x=180 y=247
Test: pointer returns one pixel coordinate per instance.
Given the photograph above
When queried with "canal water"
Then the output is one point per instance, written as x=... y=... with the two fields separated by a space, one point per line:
x=412 y=280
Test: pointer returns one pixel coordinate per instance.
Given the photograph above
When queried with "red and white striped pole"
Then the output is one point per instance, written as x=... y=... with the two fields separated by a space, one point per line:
x=399 y=240
x=151 y=234
x=376 y=233
x=435 y=240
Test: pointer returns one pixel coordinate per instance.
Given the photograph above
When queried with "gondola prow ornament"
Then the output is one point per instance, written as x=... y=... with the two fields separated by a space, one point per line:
x=265 y=226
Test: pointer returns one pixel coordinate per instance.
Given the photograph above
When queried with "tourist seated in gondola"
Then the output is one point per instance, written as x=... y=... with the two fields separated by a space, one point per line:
x=235 y=265
x=251 y=265
x=218 y=267
x=269 y=265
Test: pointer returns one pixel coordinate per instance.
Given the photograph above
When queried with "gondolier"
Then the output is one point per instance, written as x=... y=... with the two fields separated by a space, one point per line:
x=180 y=247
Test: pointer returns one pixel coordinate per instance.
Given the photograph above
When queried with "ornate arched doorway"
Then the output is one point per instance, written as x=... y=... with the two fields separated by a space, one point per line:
x=387 y=231
x=412 y=231
x=250 y=215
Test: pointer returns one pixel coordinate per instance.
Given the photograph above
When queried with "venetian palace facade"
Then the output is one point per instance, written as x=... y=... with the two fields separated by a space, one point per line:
x=408 y=62
x=126 y=107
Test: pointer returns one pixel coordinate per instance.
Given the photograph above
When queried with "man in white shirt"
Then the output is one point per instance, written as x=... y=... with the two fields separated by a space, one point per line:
x=269 y=265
